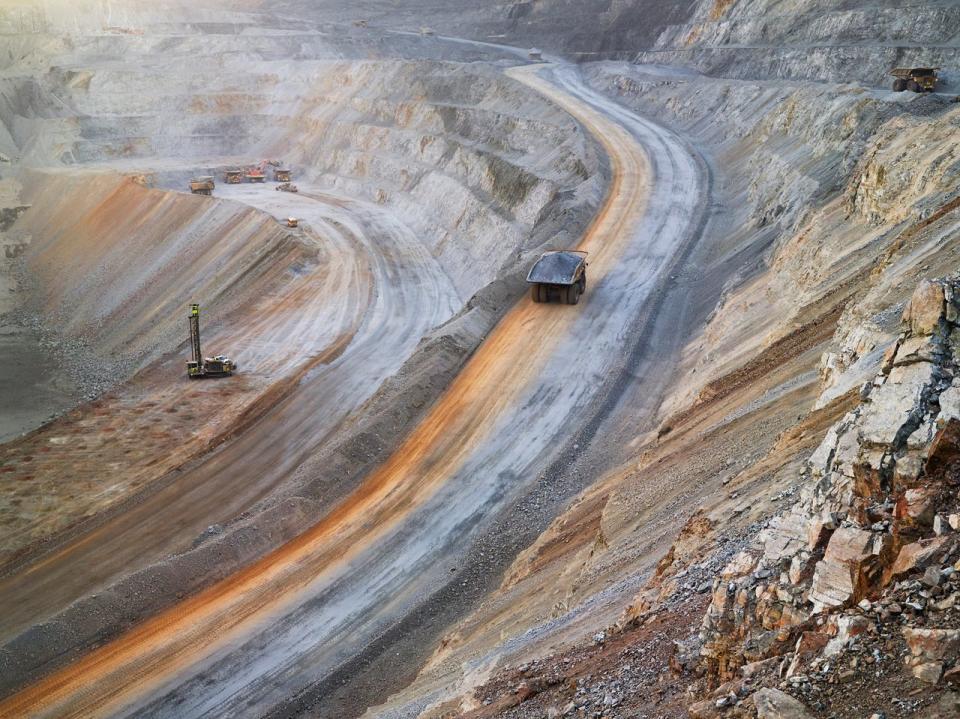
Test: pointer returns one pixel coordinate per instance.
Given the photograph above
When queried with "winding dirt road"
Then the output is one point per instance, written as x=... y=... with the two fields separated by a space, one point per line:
x=338 y=331
x=248 y=643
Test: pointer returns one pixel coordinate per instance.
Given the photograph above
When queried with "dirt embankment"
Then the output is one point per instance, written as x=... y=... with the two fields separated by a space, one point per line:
x=113 y=265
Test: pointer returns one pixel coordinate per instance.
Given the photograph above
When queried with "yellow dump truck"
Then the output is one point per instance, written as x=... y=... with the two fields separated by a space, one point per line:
x=914 y=79
x=202 y=186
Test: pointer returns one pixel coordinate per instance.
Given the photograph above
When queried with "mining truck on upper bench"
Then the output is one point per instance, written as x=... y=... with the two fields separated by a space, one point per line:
x=914 y=79
x=202 y=186
x=200 y=366
x=559 y=277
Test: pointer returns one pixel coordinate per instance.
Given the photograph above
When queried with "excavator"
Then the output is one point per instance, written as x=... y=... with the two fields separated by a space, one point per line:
x=258 y=172
x=200 y=366
x=255 y=174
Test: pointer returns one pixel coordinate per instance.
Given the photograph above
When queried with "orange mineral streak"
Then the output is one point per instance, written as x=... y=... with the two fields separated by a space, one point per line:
x=151 y=654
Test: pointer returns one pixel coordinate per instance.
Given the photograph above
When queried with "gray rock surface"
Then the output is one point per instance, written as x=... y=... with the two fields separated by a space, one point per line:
x=775 y=704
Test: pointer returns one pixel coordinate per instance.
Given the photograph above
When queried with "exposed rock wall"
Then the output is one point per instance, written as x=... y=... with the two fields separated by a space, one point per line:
x=845 y=188
x=822 y=40
x=811 y=39
x=466 y=157
x=877 y=510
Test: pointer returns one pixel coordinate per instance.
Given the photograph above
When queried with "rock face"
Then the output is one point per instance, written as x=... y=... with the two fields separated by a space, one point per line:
x=775 y=704
x=864 y=526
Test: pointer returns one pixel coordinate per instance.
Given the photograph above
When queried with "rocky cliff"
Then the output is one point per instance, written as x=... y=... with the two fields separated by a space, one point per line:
x=861 y=569
x=821 y=40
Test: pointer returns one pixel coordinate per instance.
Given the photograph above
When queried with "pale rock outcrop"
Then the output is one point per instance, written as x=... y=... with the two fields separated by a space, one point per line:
x=775 y=704
x=933 y=644
x=925 y=309
x=845 y=567
x=870 y=496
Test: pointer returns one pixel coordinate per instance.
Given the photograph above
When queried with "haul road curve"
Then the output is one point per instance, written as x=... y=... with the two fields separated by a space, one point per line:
x=381 y=290
x=250 y=642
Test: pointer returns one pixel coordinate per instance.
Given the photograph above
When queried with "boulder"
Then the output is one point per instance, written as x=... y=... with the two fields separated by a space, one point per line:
x=741 y=565
x=822 y=458
x=915 y=507
x=949 y=405
x=917 y=556
x=811 y=642
x=930 y=672
x=916 y=349
x=801 y=569
x=948 y=707
x=933 y=644
x=706 y=709
x=786 y=535
x=943 y=459
x=775 y=704
x=907 y=470
x=752 y=668
x=847 y=626
x=925 y=308
x=890 y=405
x=838 y=577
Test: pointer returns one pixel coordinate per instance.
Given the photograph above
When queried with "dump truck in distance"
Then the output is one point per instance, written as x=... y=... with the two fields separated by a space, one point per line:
x=914 y=79
x=202 y=185
x=559 y=277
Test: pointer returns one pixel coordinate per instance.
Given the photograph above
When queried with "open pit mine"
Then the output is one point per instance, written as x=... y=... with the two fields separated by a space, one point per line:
x=523 y=359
